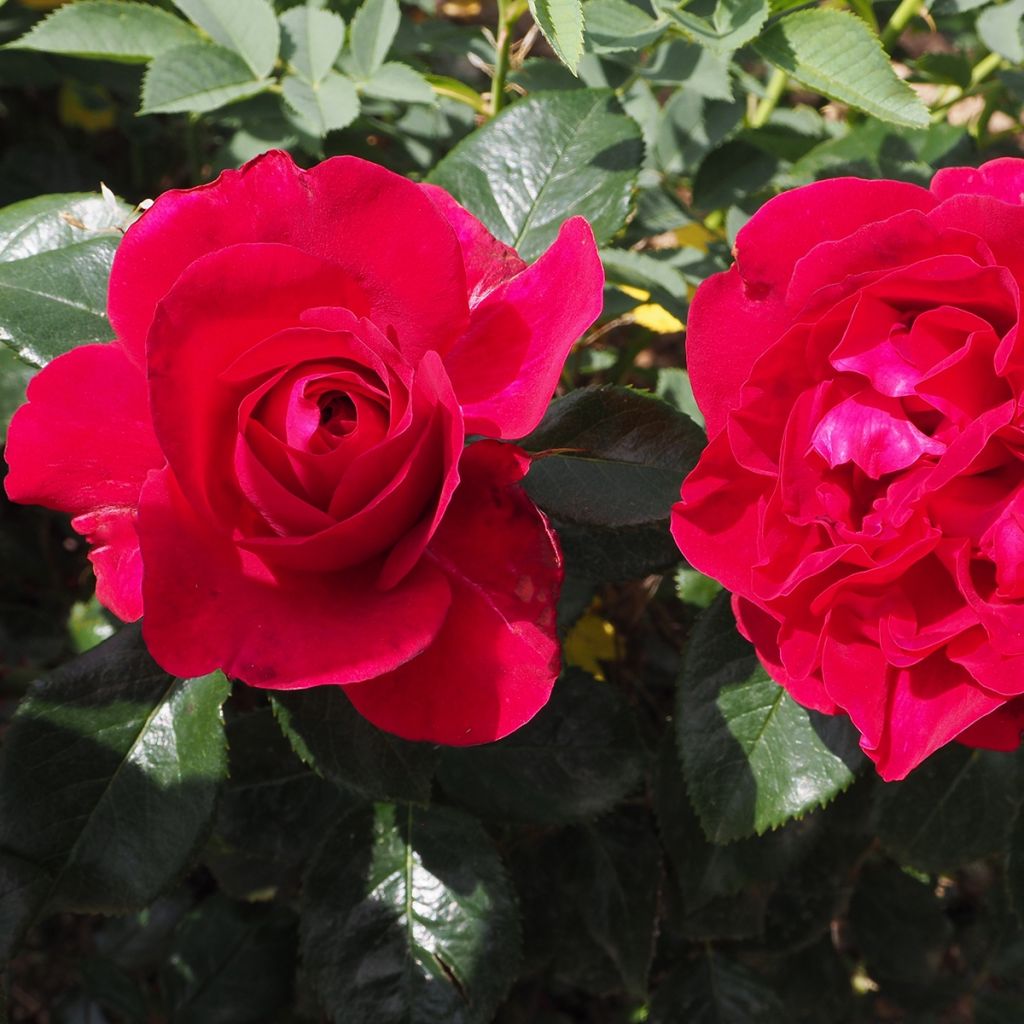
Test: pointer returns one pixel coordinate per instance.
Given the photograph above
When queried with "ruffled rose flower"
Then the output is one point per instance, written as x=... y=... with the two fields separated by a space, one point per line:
x=271 y=463
x=861 y=370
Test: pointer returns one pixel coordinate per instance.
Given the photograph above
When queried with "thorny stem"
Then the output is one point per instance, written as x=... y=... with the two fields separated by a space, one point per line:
x=899 y=20
x=509 y=12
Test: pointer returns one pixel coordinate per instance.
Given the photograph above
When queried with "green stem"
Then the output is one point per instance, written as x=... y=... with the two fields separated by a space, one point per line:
x=865 y=12
x=901 y=17
x=772 y=94
x=985 y=67
x=503 y=52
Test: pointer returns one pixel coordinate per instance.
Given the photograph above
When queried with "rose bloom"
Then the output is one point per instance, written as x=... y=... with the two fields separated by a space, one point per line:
x=271 y=460
x=862 y=493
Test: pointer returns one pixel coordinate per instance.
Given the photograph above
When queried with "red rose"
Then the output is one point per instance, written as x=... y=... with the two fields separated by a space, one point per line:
x=271 y=459
x=862 y=494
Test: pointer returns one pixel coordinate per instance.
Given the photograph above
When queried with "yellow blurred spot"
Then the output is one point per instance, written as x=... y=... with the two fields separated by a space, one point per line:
x=89 y=107
x=694 y=236
x=591 y=641
x=658 y=319
x=650 y=315
x=461 y=8
x=42 y=5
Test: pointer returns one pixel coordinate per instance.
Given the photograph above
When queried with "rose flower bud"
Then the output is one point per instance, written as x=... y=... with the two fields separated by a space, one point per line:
x=862 y=495
x=271 y=462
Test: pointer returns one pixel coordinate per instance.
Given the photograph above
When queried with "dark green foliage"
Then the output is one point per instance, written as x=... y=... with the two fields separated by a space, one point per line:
x=754 y=757
x=578 y=757
x=409 y=916
x=333 y=738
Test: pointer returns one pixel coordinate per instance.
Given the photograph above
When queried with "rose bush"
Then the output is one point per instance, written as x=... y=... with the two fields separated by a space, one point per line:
x=271 y=463
x=861 y=371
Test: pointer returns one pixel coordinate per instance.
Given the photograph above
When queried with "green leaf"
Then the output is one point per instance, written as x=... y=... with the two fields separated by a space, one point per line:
x=197 y=79
x=618 y=871
x=754 y=758
x=706 y=871
x=311 y=41
x=578 y=757
x=954 y=808
x=732 y=174
x=109 y=773
x=543 y=159
x=249 y=30
x=330 y=104
x=398 y=82
x=561 y=21
x=89 y=624
x=14 y=378
x=332 y=737
x=51 y=222
x=424 y=891
x=690 y=126
x=674 y=387
x=57 y=300
x=733 y=24
x=55 y=256
x=373 y=30
x=876 y=150
x=1000 y=29
x=947 y=68
x=715 y=990
x=24 y=887
x=114 y=990
x=452 y=88
x=618 y=25
x=666 y=285
x=616 y=554
x=272 y=813
x=619 y=457
x=836 y=54
x=107 y=30
x=900 y=928
x=230 y=962
x=695 y=588
x=679 y=62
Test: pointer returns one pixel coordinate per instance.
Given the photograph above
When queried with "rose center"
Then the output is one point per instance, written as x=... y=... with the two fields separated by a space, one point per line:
x=337 y=413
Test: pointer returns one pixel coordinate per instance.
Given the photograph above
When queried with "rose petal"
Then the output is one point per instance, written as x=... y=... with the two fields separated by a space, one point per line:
x=716 y=524
x=1003 y=179
x=209 y=606
x=725 y=317
x=504 y=370
x=221 y=307
x=1000 y=730
x=838 y=267
x=932 y=703
x=116 y=559
x=379 y=229
x=789 y=226
x=488 y=262
x=873 y=432
x=857 y=676
x=492 y=667
x=83 y=444
x=741 y=312
x=762 y=631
